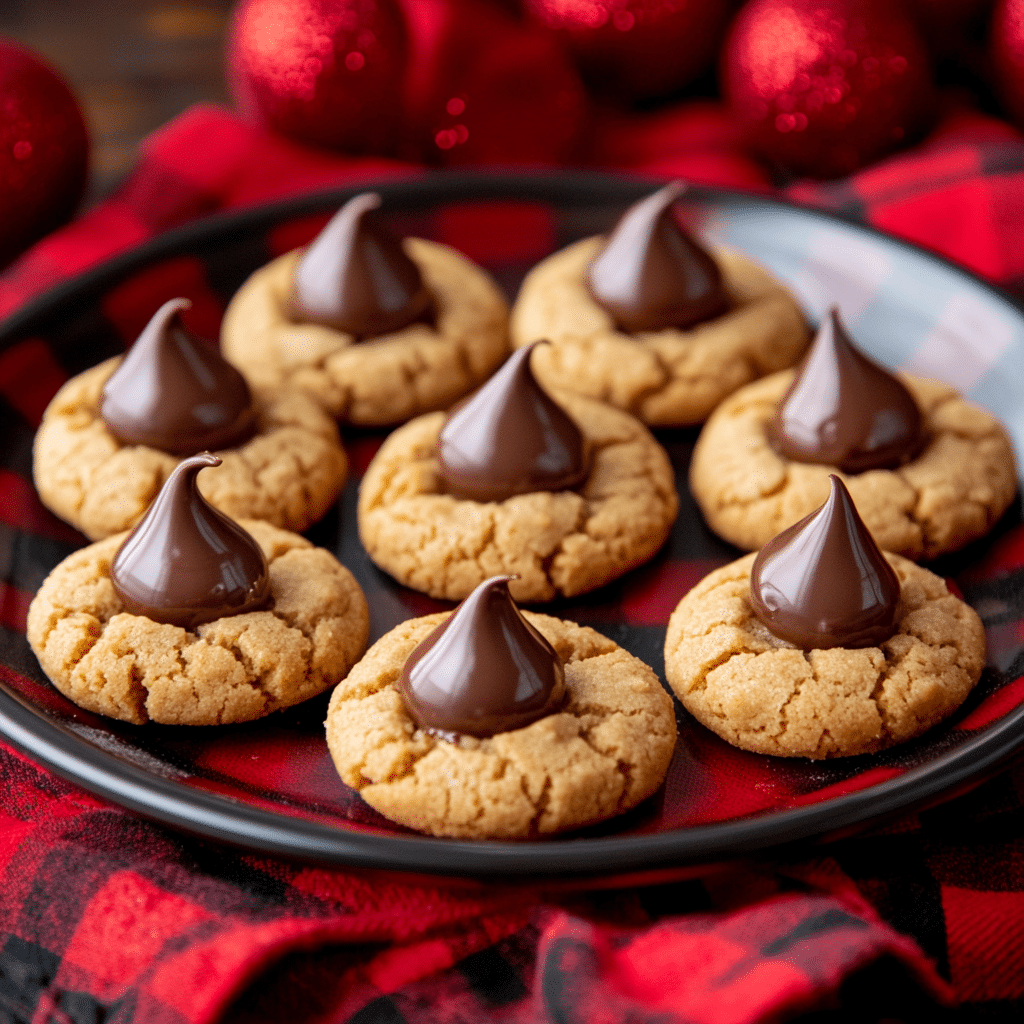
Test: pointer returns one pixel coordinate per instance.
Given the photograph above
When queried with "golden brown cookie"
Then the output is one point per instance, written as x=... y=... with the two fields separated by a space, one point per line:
x=288 y=474
x=562 y=542
x=607 y=749
x=670 y=377
x=233 y=669
x=951 y=493
x=381 y=380
x=762 y=694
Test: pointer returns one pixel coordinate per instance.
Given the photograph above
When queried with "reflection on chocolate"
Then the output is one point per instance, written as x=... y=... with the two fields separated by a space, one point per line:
x=845 y=410
x=186 y=563
x=175 y=393
x=824 y=583
x=651 y=274
x=510 y=438
x=356 y=277
x=484 y=670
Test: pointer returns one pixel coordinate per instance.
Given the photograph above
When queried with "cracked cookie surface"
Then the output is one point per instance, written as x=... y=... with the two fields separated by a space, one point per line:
x=951 y=493
x=233 y=669
x=558 y=542
x=288 y=473
x=382 y=380
x=670 y=377
x=763 y=694
x=607 y=749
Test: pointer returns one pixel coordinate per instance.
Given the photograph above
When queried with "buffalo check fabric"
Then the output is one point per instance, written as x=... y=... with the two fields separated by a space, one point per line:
x=105 y=917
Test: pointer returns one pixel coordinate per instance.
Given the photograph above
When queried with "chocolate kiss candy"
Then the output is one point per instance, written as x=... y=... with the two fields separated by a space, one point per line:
x=356 y=277
x=650 y=274
x=510 y=438
x=185 y=562
x=845 y=410
x=824 y=583
x=484 y=670
x=175 y=393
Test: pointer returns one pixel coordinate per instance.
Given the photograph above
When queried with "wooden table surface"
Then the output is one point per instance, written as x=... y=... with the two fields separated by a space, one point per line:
x=133 y=64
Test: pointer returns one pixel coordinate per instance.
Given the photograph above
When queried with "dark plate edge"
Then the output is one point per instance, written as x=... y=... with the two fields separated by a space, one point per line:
x=575 y=188
x=220 y=818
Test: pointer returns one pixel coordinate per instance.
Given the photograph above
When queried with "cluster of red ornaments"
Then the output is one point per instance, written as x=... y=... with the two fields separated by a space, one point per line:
x=816 y=87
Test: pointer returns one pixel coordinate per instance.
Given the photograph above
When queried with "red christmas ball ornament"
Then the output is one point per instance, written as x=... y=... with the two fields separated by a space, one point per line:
x=482 y=87
x=823 y=87
x=327 y=72
x=1006 y=46
x=44 y=150
x=636 y=49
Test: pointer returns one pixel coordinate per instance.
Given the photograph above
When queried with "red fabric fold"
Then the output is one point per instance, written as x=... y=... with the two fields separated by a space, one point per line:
x=103 y=914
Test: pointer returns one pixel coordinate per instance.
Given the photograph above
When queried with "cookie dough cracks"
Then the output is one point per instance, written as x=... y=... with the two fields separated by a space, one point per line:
x=607 y=749
x=953 y=492
x=381 y=380
x=233 y=669
x=288 y=473
x=670 y=377
x=563 y=542
x=762 y=694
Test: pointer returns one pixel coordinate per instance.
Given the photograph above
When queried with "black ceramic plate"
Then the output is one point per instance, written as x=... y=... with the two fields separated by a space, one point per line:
x=269 y=786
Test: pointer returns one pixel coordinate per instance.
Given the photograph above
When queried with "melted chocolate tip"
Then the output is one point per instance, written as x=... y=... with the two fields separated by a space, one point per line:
x=482 y=671
x=824 y=582
x=476 y=459
x=843 y=409
x=175 y=393
x=650 y=274
x=185 y=562
x=356 y=277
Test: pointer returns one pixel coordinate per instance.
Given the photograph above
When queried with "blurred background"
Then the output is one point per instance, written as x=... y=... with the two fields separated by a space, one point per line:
x=133 y=66
x=753 y=94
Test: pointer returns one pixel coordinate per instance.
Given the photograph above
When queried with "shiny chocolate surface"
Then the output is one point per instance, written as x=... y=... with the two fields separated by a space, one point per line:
x=510 y=437
x=823 y=582
x=185 y=563
x=650 y=274
x=356 y=277
x=175 y=393
x=484 y=670
x=845 y=410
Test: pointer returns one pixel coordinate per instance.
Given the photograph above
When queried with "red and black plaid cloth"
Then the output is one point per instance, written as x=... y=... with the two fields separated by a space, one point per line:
x=105 y=917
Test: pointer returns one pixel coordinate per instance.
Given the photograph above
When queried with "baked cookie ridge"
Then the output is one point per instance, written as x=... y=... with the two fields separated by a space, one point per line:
x=232 y=669
x=603 y=751
x=563 y=542
x=666 y=377
x=380 y=380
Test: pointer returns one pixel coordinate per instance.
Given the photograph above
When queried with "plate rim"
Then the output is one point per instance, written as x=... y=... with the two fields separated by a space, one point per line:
x=219 y=817
x=214 y=816
x=474 y=185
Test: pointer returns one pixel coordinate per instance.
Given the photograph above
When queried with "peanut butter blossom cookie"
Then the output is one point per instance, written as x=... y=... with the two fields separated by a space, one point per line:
x=565 y=494
x=821 y=645
x=194 y=619
x=649 y=321
x=377 y=329
x=492 y=723
x=928 y=470
x=112 y=435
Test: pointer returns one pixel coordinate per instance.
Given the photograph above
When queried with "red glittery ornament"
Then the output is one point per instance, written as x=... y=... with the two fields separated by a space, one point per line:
x=44 y=150
x=327 y=72
x=636 y=49
x=1007 y=51
x=482 y=87
x=823 y=87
